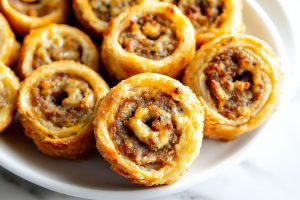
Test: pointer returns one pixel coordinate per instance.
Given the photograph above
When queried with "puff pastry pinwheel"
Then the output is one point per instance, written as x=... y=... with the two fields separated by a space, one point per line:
x=149 y=128
x=56 y=42
x=238 y=81
x=9 y=85
x=148 y=38
x=24 y=15
x=56 y=105
x=9 y=47
x=96 y=14
x=213 y=18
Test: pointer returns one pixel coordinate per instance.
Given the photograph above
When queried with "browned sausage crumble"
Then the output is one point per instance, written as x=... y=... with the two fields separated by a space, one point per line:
x=151 y=36
x=63 y=49
x=126 y=139
x=232 y=85
x=34 y=8
x=63 y=100
x=204 y=13
x=108 y=9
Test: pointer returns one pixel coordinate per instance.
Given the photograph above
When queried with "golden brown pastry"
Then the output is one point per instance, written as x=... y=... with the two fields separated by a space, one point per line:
x=56 y=105
x=149 y=128
x=9 y=47
x=213 y=18
x=24 y=15
x=96 y=14
x=169 y=1
x=56 y=42
x=153 y=37
x=238 y=81
x=9 y=85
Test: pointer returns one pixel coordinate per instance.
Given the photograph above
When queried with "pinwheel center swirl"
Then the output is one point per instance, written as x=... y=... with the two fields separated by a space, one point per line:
x=107 y=9
x=151 y=36
x=235 y=82
x=56 y=49
x=204 y=13
x=35 y=8
x=64 y=100
x=145 y=128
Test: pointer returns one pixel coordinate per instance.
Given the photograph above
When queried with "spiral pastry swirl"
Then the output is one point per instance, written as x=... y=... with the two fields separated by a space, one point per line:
x=9 y=48
x=149 y=127
x=56 y=105
x=148 y=38
x=25 y=15
x=96 y=14
x=9 y=85
x=213 y=18
x=56 y=42
x=238 y=81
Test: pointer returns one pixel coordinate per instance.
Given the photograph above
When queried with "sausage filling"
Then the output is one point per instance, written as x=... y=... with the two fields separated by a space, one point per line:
x=235 y=82
x=151 y=36
x=204 y=13
x=64 y=100
x=145 y=128
x=35 y=8
x=106 y=10
x=58 y=48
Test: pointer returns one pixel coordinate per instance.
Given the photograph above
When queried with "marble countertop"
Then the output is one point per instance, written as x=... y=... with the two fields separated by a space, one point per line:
x=270 y=172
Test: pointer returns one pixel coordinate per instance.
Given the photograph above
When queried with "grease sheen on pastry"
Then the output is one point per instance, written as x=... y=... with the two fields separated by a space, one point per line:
x=9 y=85
x=238 y=81
x=9 y=47
x=56 y=105
x=153 y=37
x=56 y=42
x=24 y=15
x=213 y=18
x=149 y=128
x=96 y=14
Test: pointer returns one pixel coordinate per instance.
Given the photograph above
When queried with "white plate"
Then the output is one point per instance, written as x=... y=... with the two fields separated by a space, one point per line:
x=94 y=179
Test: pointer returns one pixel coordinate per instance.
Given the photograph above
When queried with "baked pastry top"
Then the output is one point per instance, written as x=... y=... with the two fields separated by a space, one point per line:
x=9 y=48
x=24 y=15
x=56 y=105
x=56 y=42
x=149 y=128
x=9 y=85
x=238 y=80
x=148 y=38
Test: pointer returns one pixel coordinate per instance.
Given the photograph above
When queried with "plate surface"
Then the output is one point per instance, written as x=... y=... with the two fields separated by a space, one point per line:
x=94 y=179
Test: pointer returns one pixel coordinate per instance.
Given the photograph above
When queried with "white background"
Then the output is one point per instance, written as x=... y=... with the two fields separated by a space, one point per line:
x=272 y=171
